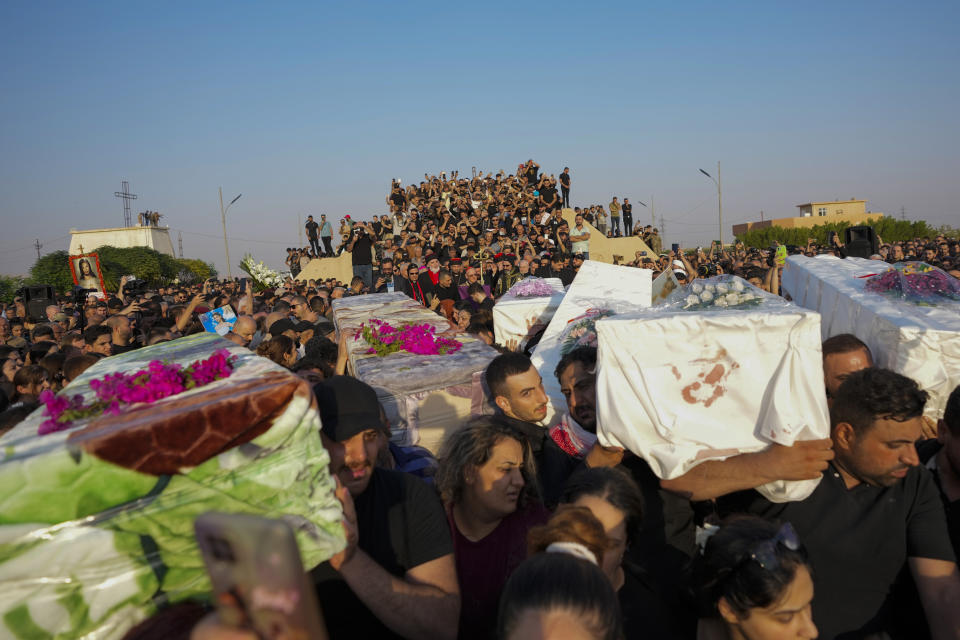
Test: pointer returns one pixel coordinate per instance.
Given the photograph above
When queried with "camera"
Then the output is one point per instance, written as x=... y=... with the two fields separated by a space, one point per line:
x=135 y=287
x=707 y=270
x=80 y=295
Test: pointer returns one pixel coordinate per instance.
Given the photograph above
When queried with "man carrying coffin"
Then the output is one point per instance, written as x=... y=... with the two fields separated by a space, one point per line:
x=874 y=510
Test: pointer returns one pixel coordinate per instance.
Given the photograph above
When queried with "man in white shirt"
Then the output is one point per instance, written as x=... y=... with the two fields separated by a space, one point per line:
x=580 y=238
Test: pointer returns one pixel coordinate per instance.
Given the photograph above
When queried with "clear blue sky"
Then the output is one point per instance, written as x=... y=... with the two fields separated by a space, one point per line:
x=306 y=108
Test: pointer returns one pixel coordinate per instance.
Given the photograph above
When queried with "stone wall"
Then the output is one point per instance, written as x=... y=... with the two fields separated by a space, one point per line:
x=157 y=238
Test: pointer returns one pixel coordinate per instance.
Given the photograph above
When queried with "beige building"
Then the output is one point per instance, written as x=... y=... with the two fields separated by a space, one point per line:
x=815 y=213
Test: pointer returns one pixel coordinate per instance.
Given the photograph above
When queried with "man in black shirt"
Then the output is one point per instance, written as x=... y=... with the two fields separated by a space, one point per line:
x=388 y=281
x=313 y=234
x=627 y=210
x=517 y=389
x=397 y=576
x=942 y=458
x=873 y=511
x=565 y=186
x=548 y=197
x=360 y=247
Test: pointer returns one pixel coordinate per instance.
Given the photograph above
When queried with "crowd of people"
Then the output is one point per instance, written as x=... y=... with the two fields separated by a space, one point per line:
x=515 y=530
x=474 y=219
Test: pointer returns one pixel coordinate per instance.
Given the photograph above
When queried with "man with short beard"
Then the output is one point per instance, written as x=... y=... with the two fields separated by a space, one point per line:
x=387 y=281
x=301 y=309
x=843 y=354
x=873 y=512
x=122 y=334
x=397 y=576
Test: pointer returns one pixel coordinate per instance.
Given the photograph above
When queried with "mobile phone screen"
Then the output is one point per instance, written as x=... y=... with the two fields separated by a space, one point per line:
x=257 y=576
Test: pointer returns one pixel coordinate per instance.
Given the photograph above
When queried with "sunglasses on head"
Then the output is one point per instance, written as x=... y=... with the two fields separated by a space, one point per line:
x=765 y=553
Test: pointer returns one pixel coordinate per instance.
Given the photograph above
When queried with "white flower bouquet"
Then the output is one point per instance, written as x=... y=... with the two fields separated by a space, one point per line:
x=262 y=276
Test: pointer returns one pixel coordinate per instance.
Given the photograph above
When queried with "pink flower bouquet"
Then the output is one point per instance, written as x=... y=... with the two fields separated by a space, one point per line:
x=117 y=390
x=582 y=330
x=421 y=339
x=916 y=282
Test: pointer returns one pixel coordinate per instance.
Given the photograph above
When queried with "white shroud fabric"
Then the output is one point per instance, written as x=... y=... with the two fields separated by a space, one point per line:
x=920 y=342
x=678 y=388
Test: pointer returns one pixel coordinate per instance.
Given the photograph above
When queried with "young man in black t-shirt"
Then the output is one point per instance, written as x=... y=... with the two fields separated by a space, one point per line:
x=360 y=246
x=565 y=186
x=313 y=234
x=873 y=512
x=397 y=576
x=627 y=210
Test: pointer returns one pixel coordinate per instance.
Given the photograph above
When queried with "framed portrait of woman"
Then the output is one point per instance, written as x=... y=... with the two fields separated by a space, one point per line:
x=86 y=271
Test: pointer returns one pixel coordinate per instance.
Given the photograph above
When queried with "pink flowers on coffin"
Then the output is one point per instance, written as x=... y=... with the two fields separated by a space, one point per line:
x=531 y=288
x=420 y=339
x=117 y=390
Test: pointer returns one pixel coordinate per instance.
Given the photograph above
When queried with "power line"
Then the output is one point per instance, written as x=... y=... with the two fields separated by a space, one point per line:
x=212 y=235
x=33 y=246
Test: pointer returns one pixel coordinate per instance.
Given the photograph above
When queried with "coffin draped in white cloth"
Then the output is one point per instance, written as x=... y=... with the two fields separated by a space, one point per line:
x=920 y=342
x=682 y=387
x=596 y=283
x=519 y=318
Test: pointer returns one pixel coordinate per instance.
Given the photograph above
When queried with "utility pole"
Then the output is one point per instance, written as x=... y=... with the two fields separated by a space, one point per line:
x=903 y=213
x=223 y=220
x=37 y=245
x=717 y=182
x=761 y=215
x=180 y=242
x=719 y=205
x=663 y=228
x=653 y=216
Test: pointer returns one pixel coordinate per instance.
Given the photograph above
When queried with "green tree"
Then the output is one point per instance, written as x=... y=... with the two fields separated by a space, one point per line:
x=193 y=270
x=53 y=269
x=888 y=228
x=9 y=286
x=157 y=269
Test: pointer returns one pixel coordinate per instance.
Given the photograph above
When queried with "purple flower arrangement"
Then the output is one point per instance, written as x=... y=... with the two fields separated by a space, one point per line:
x=421 y=339
x=915 y=282
x=531 y=288
x=117 y=390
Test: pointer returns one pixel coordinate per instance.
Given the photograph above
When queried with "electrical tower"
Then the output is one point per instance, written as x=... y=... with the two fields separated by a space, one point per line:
x=903 y=213
x=127 y=197
x=37 y=245
x=663 y=228
x=180 y=243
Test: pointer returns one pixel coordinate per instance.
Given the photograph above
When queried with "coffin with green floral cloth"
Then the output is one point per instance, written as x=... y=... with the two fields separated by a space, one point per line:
x=96 y=519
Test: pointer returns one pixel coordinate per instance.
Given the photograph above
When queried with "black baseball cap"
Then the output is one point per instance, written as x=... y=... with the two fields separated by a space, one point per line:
x=347 y=407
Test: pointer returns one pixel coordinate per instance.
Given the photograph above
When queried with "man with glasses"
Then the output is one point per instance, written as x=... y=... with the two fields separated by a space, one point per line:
x=388 y=281
x=301 y=309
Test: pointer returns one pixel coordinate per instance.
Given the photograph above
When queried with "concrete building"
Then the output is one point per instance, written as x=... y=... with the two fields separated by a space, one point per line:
x=815 y=213
x=157 y=238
